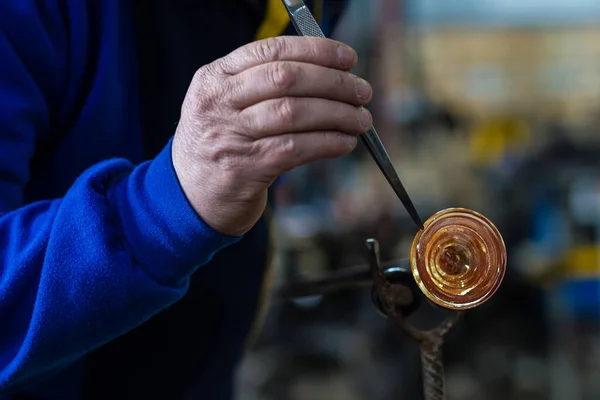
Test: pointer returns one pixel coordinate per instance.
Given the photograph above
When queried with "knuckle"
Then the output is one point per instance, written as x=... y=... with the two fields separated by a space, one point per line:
x=270 y=49
x=340 y=79
x=316 y=47
x=286 y=110
x=333 y=145
x=255 y=123
x=361 y=118
x=200 y=93
x=281 y=75
x=211 y=90
x=199 y=79
x=206 y=72
x=199 y=75
x=202 y=72
x=288 y=147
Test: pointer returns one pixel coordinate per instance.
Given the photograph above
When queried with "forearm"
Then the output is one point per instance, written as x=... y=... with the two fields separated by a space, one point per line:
x=82 y=270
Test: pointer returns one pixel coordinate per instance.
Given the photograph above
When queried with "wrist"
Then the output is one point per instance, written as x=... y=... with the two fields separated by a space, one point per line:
x=208 y=189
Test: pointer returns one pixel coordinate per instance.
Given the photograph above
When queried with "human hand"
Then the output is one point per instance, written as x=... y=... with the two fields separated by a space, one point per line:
x=259 y=112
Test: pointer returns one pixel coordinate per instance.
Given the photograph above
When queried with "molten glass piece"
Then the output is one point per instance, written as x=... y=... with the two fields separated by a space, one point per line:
x=458 y=259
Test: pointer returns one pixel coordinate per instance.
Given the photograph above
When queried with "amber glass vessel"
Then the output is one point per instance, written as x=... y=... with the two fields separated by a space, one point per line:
x=458 y=259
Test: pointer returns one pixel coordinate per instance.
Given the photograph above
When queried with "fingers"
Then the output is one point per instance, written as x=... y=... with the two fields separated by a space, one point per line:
x=286 y=152
x=297 y=114
x=280 y=79
x=325 y=52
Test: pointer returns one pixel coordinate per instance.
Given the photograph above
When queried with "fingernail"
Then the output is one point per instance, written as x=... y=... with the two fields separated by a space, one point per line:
x=363 y=89
x=346 y=55
x=365 y=118
x=350 y=140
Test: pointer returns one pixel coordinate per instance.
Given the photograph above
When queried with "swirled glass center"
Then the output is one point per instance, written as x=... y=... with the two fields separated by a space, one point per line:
x=458 y=259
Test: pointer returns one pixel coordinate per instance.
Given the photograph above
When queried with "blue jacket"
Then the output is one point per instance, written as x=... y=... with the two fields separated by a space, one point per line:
x=110 y=285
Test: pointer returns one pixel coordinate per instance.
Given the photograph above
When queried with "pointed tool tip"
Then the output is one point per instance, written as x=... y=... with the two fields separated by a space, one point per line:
x=418 y=222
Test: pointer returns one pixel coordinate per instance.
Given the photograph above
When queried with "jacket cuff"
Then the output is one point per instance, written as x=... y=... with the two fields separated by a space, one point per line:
x=166 y=235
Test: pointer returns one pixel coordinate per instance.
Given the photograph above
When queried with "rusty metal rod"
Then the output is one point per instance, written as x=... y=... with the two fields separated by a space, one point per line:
x=432 y=367
x=350 y=277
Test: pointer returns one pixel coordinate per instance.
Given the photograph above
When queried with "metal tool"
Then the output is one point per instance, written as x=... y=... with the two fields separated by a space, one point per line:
x=306 y=25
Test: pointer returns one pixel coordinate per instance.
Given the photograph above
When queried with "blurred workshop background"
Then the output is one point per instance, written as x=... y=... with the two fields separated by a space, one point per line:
x=492 y=105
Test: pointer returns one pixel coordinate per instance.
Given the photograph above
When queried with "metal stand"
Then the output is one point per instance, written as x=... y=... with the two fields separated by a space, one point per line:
x=396 y=301
x=397 y=296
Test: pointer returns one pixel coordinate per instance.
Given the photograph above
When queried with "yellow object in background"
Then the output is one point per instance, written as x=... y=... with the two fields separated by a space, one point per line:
x=317 y=10
x=275 y=22
x=491 y=140
x=583 y=262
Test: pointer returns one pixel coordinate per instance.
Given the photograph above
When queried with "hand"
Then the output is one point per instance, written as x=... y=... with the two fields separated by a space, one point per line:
x=259 y=112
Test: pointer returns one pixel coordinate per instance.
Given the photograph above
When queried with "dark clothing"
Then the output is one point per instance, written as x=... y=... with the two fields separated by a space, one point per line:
x=110 y=285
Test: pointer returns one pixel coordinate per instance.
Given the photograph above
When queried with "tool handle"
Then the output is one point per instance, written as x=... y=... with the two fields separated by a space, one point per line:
x=302 y=19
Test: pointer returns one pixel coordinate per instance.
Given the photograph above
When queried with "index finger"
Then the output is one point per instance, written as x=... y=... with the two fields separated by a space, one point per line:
x=321 y=51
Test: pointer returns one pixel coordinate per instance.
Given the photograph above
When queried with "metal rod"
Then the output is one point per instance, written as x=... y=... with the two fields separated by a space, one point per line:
x=432 y=367
x=355 y=276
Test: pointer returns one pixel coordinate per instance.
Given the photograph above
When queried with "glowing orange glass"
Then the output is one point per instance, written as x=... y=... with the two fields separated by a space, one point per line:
x=458 y=259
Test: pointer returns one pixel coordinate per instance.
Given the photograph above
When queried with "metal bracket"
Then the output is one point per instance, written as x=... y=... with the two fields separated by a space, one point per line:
x=397 y=300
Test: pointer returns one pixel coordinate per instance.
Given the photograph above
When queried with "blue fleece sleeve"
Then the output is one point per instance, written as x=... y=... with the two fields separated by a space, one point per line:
x=79 y=271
